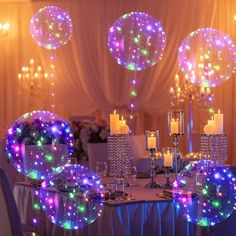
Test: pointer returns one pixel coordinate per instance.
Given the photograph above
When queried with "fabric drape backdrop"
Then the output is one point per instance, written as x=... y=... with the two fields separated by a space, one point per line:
x=89 y=82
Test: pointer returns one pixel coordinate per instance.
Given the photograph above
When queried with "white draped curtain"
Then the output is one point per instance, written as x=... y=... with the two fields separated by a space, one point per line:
x=89 y=82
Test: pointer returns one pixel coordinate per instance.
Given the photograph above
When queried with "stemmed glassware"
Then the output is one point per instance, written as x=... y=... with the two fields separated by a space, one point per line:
x=101 y=169
x=130 y=173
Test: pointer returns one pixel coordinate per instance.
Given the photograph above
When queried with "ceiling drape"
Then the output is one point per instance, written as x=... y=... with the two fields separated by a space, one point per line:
x=88 y=81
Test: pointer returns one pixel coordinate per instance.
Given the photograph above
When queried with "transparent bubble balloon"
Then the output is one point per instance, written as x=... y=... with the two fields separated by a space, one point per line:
x=51 y=27
x=207 y=57
x=205 y=192
x=74 y=198
x=39 y=144
x=136 y=41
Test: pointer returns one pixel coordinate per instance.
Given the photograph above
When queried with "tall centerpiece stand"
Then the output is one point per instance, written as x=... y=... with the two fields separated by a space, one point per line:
x=175 y=129
x=152 y=145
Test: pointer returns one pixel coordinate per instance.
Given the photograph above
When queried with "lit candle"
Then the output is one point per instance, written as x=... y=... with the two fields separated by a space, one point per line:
x=208 y=129
x=174 y=127
x=168 y=159
x=151 y=142
x=124 y=129
x=114 y=123
x=219 y=122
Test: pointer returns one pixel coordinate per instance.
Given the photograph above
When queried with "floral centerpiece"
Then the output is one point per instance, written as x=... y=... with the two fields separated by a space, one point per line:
x=87 y=132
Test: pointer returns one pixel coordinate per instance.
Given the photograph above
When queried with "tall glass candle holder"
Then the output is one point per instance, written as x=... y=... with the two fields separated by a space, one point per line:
x=152 y=145
x=168 y=155
x=175 y=129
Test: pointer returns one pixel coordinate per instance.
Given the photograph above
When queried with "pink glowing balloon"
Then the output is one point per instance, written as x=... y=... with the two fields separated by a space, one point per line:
x=51 y=27
x=207 y=57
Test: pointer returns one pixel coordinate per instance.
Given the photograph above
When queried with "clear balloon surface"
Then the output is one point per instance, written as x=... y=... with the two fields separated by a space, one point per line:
x=51 y=27
x=136 y=41
x=207 y=57
x=74 y=198
x=39 y=144
x=205 y=192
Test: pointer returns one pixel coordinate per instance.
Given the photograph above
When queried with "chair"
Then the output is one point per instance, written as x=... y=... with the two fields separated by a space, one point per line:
x=9 y=218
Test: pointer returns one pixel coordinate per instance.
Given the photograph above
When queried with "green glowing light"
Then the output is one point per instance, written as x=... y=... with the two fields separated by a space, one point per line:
x=39 y=143
x=33 y=175
x=67 y=225
x=48 y=158
x=57 y=170
x=133 y=93
x=71 y=195
x=204 y=191
x=144 y=52
x=36 y=206
x=215 y=203
x=203 y=222
x=81 y=208
x=131 y=66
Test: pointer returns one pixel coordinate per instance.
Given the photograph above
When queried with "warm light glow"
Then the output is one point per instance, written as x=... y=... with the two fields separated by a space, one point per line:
x=4 y=29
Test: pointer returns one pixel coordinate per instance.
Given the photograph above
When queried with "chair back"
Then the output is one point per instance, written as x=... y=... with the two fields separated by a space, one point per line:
x=9 y=218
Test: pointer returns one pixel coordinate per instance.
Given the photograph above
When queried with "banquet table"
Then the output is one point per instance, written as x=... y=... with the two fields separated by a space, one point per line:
x=148 y=214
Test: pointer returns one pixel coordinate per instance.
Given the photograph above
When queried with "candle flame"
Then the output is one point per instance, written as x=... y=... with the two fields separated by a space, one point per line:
x=114 y=111
x=218 y=111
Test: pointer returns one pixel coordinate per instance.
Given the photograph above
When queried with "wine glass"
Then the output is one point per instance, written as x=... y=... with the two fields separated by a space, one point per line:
x=130 y=173
x=101 y=169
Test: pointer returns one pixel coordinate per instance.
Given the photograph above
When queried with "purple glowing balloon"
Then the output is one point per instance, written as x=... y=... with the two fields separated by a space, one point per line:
x=205 y=192
x=207 y=57
x=74 y=198
x=136 y=41
x=51 y=27
x=39 y=144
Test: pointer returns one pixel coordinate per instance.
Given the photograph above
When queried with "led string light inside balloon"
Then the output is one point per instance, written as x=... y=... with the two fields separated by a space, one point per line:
x=136 y=41
x=77 y=194
x=51 y=28
x=207 y=57
x=205 y=193
x=39 y=144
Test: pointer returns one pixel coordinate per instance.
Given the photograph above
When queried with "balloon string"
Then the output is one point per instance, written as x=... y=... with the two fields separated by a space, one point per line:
x=52 y=80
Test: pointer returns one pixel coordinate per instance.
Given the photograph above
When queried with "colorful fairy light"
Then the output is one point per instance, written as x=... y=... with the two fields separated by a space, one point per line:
x=136 y=41
x=207 y=57
x=39 y=144
x=51 y=27
x=74 y=198
x=205 y=192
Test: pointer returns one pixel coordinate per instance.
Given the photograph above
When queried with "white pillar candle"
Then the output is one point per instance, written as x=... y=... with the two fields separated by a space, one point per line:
x=124 y=129
x=208 y=129
x=168 y=159
x=151 y=142
x=219 y=122
x=174 y=127
x=114 y=123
